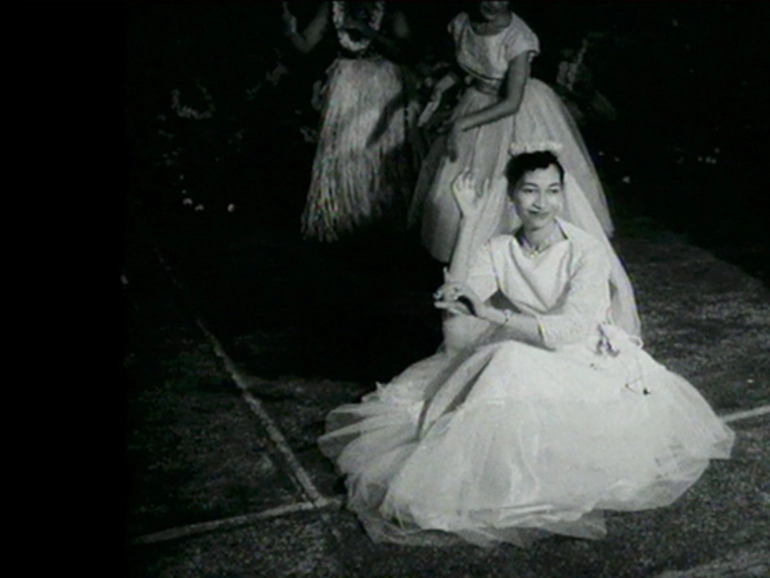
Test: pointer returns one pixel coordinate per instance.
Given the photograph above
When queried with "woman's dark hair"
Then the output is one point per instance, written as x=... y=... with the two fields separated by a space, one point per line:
x=473 y=9
x=521 y=164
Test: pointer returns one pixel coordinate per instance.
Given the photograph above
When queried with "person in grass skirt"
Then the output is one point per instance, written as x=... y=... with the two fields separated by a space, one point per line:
x=364 y=167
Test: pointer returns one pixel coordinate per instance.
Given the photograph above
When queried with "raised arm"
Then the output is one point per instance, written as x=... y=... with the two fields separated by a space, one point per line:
x=472 y=203
x=313 y=33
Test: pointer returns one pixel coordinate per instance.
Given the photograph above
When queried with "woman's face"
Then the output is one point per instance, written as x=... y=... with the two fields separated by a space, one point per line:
x=538 y=197
x=491 y=10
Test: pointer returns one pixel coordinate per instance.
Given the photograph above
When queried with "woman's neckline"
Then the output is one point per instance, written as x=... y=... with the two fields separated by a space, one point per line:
x=489 y=35
x=555 y=238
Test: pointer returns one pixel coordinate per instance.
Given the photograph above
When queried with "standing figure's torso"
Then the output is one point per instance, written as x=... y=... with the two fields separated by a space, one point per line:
x=487 y=56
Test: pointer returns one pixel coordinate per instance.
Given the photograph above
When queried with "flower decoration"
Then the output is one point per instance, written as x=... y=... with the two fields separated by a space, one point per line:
x=520 y=148
x=340 y=17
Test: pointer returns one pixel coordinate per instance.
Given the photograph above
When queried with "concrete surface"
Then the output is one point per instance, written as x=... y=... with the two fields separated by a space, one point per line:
x=307 y=329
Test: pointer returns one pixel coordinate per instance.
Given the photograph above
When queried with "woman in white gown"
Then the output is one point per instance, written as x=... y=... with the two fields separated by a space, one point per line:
x=539 y=412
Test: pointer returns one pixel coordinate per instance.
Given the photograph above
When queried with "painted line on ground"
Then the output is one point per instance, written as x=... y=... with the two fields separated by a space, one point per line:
x=307 y=485
x=299 y=474
x=741 y=415
x=296 y=472
x=233 y=522
x=755 y=562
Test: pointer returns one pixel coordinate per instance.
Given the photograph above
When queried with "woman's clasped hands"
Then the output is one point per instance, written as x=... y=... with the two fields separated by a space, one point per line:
x=457 y=298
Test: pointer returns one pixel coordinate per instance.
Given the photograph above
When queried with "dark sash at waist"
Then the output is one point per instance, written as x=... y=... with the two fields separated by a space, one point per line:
x=486 y=85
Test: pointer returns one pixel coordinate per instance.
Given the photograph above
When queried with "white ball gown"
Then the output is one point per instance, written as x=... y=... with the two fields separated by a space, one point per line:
x=507 y=442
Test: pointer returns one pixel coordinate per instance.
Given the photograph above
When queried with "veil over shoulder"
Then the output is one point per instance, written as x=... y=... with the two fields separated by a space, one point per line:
x=578 y=211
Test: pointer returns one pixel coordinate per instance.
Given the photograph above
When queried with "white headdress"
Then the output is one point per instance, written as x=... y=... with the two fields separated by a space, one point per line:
x=520 y=148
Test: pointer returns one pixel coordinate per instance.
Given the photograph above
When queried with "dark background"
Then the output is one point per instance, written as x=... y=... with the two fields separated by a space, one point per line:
x=688 y=80
x=681 y=91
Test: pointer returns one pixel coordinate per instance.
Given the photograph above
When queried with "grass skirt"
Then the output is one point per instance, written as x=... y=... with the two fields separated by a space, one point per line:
x=363 y=167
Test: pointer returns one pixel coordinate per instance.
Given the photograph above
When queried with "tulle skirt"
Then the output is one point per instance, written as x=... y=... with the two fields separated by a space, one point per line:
x=541 y=117
x=363 y=167
x=508 y=442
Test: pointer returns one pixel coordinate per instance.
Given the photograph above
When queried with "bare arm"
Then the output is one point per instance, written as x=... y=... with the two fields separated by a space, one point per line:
x=445 y=83
x=313 y=33
x=516 y=80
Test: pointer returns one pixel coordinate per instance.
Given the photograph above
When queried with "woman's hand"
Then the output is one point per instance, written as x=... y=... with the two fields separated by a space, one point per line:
x=468 y=199
x=445 y=83
x=449 y=298
x=457 y=298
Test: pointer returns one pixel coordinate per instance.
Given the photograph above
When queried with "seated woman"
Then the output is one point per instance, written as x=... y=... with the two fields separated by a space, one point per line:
x=539 y=413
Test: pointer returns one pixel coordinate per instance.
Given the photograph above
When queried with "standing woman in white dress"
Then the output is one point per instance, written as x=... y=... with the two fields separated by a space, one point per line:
x=501 y=104
x=540 y=417
x=364 y=168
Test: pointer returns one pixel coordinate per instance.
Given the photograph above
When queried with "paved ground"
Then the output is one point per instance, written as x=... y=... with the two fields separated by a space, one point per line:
x=234 y=358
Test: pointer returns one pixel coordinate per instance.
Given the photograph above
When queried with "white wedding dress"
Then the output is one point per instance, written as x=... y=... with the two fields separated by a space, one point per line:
x=505 y=441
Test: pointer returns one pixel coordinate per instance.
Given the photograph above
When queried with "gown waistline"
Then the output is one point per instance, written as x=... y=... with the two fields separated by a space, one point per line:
x=486 y=85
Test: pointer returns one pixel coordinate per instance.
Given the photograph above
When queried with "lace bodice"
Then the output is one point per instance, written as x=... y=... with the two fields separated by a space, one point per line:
x=566 y=287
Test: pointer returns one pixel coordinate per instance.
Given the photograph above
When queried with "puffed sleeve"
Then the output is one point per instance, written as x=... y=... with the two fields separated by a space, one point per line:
x=520 y=39
x=482 y=274
x=584 y=301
